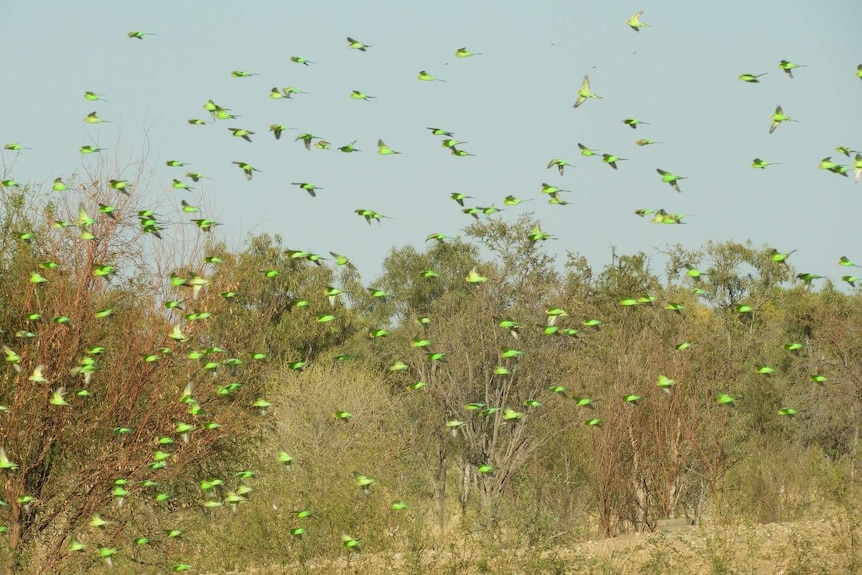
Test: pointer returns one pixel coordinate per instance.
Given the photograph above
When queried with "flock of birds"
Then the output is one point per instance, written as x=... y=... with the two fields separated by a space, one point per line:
x=150 y=224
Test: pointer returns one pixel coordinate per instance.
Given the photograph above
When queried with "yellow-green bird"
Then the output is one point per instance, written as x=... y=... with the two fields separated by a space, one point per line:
x=859 y=71
x=778 y=117
x=561 y=165
x=788 y=67
x=93 y=118
x=761 y=164
x=94 y=97
x=465 y=53
x=584 y=93
x=635 y=23
x=139 y=35
x=241 y=133
x=358 y=95
x=385 y=150
x=356 y=44
x=426 y=77
x=751 y=78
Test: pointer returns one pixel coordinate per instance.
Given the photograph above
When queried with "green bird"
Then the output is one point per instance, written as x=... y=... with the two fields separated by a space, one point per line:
x=584 y=93
x=751 y=78
x=631 y=399
x=5 y=463
x=671 y=179
x=846 y=151
x=426 y=77
x=349 y=148
x=827 y=164
x=780 y=258
x=645 y=142
x=460 y=153
x=561 y=165
x=248 y=169
x=788 y=67
x=242 y=74
x=357 y=95
x=511 y=200
x=465 y=53
x=845 y=262
x=342 y=260
x=175 y=164
x=94 y=97
x=205 y=224
x=807 y=278
x=665 y=383
x=180 y=185
x=306 y=139
x=300 y=60
x=441 y=132
x=370 y=215
x=241 y=133
x=106 y=553
x=536 y=235
x=350 y=543
x=612 y=160
x=196 y=122
x=459 y=197
x=819 y=379
x=633 y=123
x=851 y=280
x=761 y=164
x=356 y=45
x=585 y=151
x=90 y=149
x=308 y=187
x=787 y=411
x=724 y=399
x=635 y=24
x=364 y=482
x=764 y=369
x=857 y=165
x=277 y=129
x=859 y=71
x=139 y=35
x=59 y=185
x=287 y=92
x=385 y=150
x=778 y=117
x=475 y=278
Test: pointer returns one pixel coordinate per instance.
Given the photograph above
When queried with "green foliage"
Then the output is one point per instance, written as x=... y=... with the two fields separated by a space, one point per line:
x=496 y=403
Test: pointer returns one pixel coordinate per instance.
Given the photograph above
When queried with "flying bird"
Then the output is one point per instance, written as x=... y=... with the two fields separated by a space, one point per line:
x=465 y=53
x=356 y=44
x=634 y=22
x=671 y=179
x=751 y=78
x=778 y=117
x=788 y=67
x=584 y=93
x=385 y=150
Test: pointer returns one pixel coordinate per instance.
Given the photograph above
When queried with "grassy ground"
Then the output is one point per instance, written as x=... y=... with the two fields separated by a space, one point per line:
x=830 y=545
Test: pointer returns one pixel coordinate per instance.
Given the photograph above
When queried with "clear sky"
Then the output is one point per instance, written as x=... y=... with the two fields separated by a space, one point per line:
x=512 y=104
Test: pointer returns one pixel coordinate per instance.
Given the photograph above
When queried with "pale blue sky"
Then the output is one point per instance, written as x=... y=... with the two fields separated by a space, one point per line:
x=513 y=104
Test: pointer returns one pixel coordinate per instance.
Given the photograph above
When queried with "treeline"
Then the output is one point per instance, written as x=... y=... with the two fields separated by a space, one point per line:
x=169 y=403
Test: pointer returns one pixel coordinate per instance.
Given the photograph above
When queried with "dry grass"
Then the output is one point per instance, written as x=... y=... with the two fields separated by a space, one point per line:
x=829 y=545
